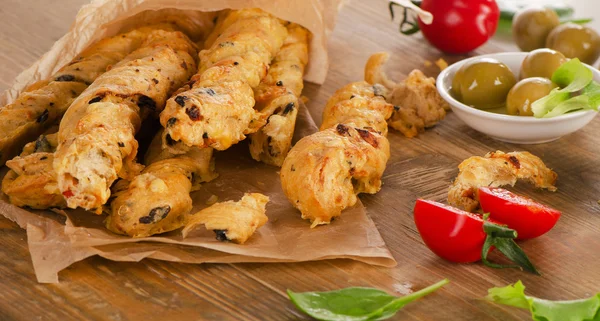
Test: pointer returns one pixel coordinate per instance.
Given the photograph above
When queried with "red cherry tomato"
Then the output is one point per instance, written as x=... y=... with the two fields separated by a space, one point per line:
x=460 y=26
x=451 y=233
x=529 y=218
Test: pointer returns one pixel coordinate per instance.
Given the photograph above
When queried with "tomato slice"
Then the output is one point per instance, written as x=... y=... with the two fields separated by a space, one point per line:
x=529 y=218
x=451 y=233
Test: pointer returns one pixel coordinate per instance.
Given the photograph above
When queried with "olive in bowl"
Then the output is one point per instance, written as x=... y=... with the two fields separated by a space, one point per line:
x=541 y=63
x=525 y=92
x=575 y=41
x=531 y=27
x=510 y=128
x=483 y=83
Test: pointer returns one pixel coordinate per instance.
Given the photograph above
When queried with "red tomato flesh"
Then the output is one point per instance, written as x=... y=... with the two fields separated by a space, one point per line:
x=529 y=218
x=460 y=26
x=451 y=233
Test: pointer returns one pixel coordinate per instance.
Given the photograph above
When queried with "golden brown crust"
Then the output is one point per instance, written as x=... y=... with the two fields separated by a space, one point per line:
x=158 y=200
x=96 y=136
x=497 y=169
x=374 y=73
x=417 y=104
x=324 y=171
x=33 y=113
x=360 y=104
x=218 y=110
x=232 y=221
x=43 y=103
x=277 y=99
x=31 y=180
x=94 y=60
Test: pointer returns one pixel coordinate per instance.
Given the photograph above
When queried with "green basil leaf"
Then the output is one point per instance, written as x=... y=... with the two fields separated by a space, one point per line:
x=355 y=303
x=546 y=310
x=572 y=76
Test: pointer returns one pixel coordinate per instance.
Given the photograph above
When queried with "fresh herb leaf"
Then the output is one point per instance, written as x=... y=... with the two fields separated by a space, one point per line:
x=355 y=303
x=571 y=77
x=546 y=310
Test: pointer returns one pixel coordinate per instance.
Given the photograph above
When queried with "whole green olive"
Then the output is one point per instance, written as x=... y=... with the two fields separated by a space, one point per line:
x=531 y=26
x=483 y=83
x=525 y=92
x=575 y=41
x=541 y=63
x=456 y=84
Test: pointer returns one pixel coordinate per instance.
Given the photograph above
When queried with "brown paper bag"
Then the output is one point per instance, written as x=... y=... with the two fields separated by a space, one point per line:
x=58 y=239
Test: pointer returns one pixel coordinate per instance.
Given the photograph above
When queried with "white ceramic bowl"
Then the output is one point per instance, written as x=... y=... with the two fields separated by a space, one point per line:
x=508 y=128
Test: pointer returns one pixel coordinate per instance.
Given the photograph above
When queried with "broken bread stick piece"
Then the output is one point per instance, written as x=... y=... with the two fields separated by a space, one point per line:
x=158 y=200
x=417 y=104
x=31 y=180
x=497 y=169
x=232 y=221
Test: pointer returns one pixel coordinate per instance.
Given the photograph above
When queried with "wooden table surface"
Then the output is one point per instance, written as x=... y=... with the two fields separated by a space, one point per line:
x=98 y=289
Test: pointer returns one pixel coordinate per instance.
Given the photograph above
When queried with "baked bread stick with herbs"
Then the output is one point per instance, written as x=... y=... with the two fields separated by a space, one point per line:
x=158 y=200
x=96 y=135
x=44 y=103
x=277 y=98
x=218 y=111
x=323 y=172
x=31 y=180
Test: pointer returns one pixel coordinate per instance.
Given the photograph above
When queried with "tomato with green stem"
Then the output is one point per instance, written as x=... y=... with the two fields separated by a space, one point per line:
x=529 y=218
x=463 y=237
x=457 y=27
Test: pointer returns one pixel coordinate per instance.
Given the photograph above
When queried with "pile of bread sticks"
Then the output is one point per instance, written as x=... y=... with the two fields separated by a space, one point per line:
x=76 y=132
x=79 y=127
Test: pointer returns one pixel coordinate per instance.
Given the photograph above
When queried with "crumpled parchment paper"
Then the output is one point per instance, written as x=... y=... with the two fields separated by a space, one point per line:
x=57 y=239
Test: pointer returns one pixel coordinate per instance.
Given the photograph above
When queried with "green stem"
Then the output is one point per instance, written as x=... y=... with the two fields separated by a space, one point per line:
x=499 y=230
x=403 y=300
x=502 y=238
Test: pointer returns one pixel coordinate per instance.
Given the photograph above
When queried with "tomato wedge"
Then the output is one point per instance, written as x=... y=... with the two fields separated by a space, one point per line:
x=463 y=237
x=451 y=233
x=529 y=218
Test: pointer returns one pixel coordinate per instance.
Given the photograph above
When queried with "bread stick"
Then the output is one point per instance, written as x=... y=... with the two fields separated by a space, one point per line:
x=158 y=200
x=96 y=135
x=31 y=180
x=218 y=110
x=43 y=104
x=323 y=172
x=277 y=98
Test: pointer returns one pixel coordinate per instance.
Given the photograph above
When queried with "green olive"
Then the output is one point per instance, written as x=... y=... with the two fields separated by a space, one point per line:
x=575 y=41
x=483 y=83
x=541 y=63
x=532 y=25
x=456 y=84
x=525 y=92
